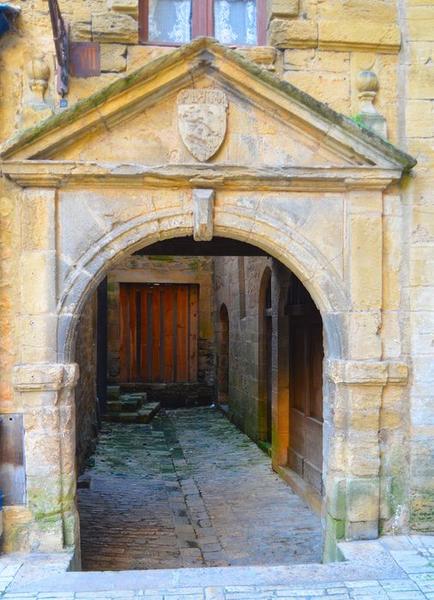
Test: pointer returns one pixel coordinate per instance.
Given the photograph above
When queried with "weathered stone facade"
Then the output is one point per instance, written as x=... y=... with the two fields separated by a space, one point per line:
x=348 y=213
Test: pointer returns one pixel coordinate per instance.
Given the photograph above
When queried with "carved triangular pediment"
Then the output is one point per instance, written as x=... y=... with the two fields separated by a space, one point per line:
x=204 y=105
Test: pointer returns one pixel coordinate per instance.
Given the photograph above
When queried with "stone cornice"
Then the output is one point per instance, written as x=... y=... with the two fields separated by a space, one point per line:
x=360 y=372
x=44 y=377
x=71 y=174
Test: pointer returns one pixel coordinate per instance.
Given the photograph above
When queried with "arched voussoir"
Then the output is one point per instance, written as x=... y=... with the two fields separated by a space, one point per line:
x=277 y=239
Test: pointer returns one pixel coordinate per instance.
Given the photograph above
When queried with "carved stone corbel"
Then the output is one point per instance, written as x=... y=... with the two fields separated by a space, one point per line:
x=203 y=215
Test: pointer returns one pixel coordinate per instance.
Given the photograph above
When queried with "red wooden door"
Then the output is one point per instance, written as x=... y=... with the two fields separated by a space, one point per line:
x=305 y=371
x=159 y=333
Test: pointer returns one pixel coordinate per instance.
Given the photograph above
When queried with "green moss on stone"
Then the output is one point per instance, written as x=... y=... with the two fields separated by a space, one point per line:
x=334 y=532
x=204 y=48
x=422 y=510
x=162 y=258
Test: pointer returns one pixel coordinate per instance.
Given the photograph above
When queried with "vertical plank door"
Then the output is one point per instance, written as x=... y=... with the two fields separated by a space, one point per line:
x=159 y=333
x=305 y=371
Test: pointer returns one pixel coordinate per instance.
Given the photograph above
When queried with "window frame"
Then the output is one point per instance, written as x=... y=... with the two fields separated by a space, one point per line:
x=202 y=23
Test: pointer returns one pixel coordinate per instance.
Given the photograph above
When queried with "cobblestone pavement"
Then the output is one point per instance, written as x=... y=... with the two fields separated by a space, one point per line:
x=189 y=490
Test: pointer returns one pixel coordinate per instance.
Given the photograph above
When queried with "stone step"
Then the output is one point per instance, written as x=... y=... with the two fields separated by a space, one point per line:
x=126 y=403
x=129 y=405
x=130 y=388
x=364 y=564
x=143 y=415
x=114 y=406
x=122 y=417
x=113 y=393
x=137 y=400
x=148 y=412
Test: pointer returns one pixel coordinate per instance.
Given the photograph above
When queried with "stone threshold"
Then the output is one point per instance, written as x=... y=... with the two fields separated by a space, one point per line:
x=401 y=562
x=373 y=562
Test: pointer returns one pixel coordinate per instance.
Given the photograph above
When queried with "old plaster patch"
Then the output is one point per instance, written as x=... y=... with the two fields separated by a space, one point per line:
x=202 y=121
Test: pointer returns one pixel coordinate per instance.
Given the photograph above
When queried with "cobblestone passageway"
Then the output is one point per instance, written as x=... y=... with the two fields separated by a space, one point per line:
x=189 y=490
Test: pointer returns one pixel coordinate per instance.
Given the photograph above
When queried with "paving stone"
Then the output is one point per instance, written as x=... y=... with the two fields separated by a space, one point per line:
x=189 y=489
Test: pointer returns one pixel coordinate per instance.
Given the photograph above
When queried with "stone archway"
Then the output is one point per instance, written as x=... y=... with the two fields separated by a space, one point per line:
x=50 y=383
x=299 y=254
x=281 y=242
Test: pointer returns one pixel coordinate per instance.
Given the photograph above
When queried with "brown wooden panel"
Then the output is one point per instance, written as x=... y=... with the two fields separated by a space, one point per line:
x=182 y=335
x=312 y=475
x=149 y=333
x=159 y=332
x=202 y=22
x=124 y=356
x=167 y=334
x=156 y=334
x=316 y=359
x=299 y=366
x=143 y=21
x=295 y=461
x=132 y=334
x=306 y=409
x=193 y=315
x=143 y=335
x=12 y=473
x=312 y=442
x=85 y=59
x=297 y=431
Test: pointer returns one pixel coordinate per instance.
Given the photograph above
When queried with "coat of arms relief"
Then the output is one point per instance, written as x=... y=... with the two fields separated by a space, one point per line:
x=202 y=120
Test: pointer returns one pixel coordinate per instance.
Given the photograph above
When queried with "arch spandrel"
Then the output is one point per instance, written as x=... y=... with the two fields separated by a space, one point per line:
x=287 y=245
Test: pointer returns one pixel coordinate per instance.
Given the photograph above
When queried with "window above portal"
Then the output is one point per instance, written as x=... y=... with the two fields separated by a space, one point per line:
x=174 y=22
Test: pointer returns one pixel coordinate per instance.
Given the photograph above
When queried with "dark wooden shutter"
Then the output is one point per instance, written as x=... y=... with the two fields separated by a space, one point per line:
x=159 y=333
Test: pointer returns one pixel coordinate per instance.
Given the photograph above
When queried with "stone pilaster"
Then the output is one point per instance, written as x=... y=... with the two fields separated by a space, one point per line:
x=46 y=393
x=37 y=321
x=354 y=495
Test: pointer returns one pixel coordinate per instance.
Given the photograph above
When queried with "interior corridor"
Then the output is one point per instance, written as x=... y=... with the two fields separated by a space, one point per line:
x=189 y=490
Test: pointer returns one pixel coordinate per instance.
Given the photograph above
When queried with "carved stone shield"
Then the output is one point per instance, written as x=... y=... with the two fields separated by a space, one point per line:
x=202 y=121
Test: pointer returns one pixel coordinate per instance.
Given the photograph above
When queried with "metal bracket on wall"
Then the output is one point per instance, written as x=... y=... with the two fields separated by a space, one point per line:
x=12 y=469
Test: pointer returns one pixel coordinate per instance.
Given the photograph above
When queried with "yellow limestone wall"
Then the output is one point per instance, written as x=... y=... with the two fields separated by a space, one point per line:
x=319 y=46
x=417 y=136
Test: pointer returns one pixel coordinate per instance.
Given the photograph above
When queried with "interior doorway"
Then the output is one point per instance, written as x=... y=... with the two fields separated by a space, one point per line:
x=158 y=332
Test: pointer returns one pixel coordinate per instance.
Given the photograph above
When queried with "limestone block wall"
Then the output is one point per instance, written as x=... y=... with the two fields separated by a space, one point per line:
x=242 y=302
x=319 y=46
x=85 y=393
x=417 y=136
